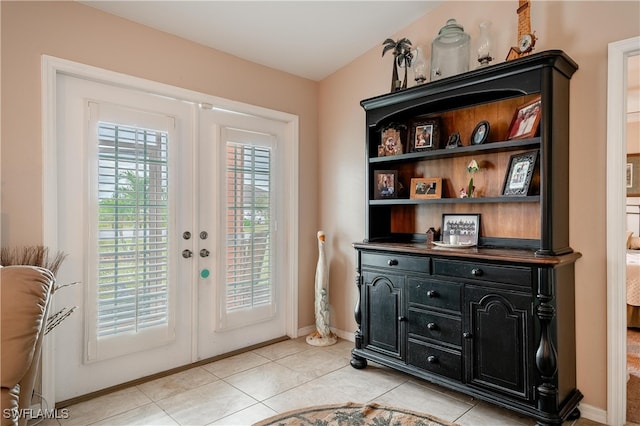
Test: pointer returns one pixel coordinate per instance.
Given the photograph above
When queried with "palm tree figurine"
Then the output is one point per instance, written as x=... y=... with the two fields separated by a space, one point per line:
x=402 y=56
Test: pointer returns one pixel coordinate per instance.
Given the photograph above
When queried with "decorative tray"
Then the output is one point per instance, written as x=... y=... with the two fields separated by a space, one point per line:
x=458 y=245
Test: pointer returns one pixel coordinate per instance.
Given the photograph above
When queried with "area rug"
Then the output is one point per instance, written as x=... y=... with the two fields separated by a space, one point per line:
x=351 y=414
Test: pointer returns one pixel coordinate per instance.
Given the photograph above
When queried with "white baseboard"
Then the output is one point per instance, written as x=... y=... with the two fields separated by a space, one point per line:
x=593 y=413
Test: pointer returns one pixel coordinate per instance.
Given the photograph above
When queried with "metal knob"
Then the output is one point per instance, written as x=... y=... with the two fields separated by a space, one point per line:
x=432 y=359
x=466 y=335
x=476 y=272
x=186 y=253
x=392 y=262
x=432 y=326
x=204 y=253
x=432 y=293
x=402 y=318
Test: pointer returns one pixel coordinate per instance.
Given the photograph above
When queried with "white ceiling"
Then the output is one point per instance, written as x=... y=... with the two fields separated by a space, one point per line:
x=311 y=39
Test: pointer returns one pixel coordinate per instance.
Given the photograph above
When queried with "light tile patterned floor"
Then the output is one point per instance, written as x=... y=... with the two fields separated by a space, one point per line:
x=246 y=388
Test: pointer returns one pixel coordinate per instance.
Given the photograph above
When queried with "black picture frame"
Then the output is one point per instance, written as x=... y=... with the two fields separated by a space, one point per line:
x=464 y=228
x=385 y=184
x=517 y=180
x=425 y=135
x=480 y=133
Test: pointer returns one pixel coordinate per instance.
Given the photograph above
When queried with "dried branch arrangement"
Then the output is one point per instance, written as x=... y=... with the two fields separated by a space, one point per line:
x=33 y=256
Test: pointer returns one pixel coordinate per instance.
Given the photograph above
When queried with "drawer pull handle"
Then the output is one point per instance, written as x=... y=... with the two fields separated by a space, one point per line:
x=432 y=293
x=402 y=318
x=432 y=326
x=476 y=272
x=432 y=359
x=466 y=335
x=392 y=262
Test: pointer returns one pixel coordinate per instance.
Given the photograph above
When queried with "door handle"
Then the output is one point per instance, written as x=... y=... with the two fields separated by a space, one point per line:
x=204 y=253
x=186 y=253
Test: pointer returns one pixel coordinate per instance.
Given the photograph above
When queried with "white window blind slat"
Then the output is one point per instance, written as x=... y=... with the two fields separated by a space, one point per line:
x=249 y=282
x=133 y=263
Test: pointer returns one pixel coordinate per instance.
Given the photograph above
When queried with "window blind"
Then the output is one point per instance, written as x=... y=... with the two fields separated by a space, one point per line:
x=132 y=229
x=248 y=220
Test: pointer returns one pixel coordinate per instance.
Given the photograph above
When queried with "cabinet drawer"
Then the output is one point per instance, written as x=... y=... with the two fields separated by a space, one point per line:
x=395 y=261
x=518 y=275
x=435 y=294
x=436 y=360
x=434 y=326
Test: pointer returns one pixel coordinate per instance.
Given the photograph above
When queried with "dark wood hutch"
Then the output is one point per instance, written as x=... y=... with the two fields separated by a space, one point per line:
x=495 y=321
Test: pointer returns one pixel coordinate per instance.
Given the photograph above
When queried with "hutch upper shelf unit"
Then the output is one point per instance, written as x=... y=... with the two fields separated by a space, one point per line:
x=495 y=321
x=538 y=220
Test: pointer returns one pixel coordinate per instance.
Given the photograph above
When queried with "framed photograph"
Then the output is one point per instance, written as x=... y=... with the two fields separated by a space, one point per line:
x=462 y=229
x=526 y=120
x=480 y=133
x=391 y=143
x=425 y=135
x=385 y=184
x=519 y=173
x=426 y=188
x=633 y=175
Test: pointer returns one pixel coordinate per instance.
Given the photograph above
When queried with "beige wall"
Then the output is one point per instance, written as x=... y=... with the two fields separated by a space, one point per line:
x=83 y=34
x=633 y=136
x=579 y=29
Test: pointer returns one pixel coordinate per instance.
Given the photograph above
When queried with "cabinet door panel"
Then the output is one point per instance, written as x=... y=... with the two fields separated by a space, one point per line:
x=382 y=296
x=499 y=345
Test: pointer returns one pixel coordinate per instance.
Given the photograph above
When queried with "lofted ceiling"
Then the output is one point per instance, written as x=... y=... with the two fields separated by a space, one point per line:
x=310 y=39
x=307 y=38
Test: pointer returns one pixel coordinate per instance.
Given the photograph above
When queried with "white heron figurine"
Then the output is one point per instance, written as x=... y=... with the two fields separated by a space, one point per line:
x=323 y=335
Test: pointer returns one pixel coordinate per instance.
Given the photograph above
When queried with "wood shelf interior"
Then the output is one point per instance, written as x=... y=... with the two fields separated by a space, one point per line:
x=501 y=217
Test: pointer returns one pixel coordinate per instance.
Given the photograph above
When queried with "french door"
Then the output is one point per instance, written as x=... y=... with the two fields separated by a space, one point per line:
x=169 y=215
x=240 y=264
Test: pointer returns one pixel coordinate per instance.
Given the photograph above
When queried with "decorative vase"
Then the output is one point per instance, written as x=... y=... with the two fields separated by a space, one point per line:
x=472 y=168
x=323 y=335
x=485 y=45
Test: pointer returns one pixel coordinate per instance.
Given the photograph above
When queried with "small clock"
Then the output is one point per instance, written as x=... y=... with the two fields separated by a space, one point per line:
x=526 y=43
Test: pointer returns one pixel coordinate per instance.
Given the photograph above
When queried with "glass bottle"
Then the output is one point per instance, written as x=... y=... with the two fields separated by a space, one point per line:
x=453 y=236
x=485 y=45
x=419 y=66
x=450 y=51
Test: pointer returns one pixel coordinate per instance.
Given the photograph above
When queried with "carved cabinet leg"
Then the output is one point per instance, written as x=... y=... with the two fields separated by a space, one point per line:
x=357 y=361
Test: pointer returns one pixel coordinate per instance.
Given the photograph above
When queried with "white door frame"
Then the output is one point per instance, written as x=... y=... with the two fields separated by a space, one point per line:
x=50 y=68
x=616 y=230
